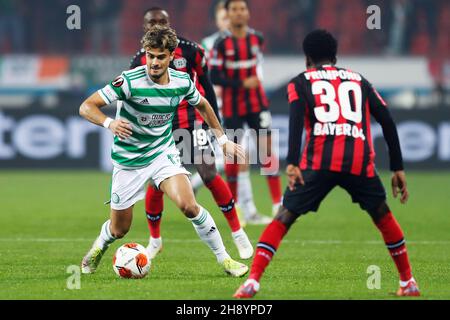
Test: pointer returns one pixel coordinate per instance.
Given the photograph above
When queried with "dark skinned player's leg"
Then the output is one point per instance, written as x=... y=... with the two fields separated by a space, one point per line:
x=270 y=241
x=371 y=196
x=300 y=200
x=393 y=238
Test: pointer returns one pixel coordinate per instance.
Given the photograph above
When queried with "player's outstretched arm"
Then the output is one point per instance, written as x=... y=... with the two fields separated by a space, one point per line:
x=90 y=110
x=230 y=148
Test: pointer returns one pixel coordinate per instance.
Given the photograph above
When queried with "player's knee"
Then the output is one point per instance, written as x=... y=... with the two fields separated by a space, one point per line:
x=119 y=233
x=378 y=213
x=208 y=177
x=207 y=172
x=189 y=209
x=286 y=217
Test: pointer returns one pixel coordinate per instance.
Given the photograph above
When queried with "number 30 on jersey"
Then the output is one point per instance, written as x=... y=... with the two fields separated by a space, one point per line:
x=328 y=95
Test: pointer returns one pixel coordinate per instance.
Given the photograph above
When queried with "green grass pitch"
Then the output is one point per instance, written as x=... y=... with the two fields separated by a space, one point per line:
x=49 y=220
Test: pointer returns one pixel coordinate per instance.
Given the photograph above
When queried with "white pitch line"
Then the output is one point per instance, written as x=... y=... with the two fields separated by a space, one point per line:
x=172 y=240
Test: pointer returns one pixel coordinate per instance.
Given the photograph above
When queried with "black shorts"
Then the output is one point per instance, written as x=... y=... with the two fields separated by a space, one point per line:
x=369 y=193
x=256 y=121
x=195 y=145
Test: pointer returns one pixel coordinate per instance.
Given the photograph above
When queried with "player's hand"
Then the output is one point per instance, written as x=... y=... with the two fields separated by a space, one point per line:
x=294 y=176
x=399 y=186
x=232 y=150
x=251 y=82
x=121 y=128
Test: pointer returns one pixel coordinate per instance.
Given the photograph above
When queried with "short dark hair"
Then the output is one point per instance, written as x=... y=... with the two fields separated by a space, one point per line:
x=153 y=9
x=320 y=45
x=161 y=37
x=228 y=3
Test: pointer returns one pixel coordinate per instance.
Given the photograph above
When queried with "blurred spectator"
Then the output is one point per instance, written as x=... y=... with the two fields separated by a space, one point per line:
x=12 y=29
x=105 y=25
x=429 y=11
x=408 y=26
x=401 y=10
x=301 y=20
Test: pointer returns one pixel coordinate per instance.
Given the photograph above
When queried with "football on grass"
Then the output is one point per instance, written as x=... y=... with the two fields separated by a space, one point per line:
x=131 y=261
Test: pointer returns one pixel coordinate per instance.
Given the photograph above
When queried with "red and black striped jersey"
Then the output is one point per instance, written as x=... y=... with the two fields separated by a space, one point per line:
x=335 y=106
x=189 y=58
x=232 y=60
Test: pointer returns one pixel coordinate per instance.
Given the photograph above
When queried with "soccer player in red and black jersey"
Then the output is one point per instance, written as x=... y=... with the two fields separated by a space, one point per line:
x=189 y=58
x=335 y=105
x=234 y=64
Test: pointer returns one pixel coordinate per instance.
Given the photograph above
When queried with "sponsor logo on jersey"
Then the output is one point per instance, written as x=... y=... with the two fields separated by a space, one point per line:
x=333 y=129
x=180 y=63
x=154 y=120
x=241 y=64
x=229 y=53
x=145 y=101
x=117 y=82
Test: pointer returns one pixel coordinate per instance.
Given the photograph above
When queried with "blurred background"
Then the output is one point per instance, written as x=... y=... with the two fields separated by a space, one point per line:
x=46 y=69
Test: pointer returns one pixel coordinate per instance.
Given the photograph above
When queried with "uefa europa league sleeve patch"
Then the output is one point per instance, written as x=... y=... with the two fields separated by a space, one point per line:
x=117 y=82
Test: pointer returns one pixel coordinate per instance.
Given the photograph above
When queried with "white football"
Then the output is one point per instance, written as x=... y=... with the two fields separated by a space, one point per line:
x=131 y=261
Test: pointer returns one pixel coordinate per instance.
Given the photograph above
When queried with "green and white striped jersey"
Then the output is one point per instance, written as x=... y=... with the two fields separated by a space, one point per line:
x=150 y=108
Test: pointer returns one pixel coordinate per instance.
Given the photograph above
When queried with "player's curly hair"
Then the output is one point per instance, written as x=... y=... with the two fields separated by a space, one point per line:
x=161 y=37
x=320 y=45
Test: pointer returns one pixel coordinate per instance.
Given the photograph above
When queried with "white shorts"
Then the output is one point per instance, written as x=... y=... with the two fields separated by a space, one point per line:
x=129 y=185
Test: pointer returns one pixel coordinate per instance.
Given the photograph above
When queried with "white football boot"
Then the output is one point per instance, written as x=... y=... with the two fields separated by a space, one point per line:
x=243 y=244
x=154 y=247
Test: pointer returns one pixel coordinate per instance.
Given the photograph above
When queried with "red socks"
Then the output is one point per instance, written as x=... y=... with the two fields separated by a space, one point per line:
x=273 y=179
x=266 y=248
x=388 y=226
x=224 y=200
x=232 y=171
x=274 y=183
x=393 y=237
x=154 y=204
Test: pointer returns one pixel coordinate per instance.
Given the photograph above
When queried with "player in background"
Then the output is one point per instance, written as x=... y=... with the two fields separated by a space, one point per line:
x=234 y=66
x=189 y=57
x=246 y=204
x=334 y=105
x=144 y=147
x=222 y=24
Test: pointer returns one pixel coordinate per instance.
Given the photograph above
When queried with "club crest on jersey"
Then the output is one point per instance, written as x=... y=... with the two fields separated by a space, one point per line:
x=117 y=82
x=180 y=63
x=115 y=198
x=175 y=101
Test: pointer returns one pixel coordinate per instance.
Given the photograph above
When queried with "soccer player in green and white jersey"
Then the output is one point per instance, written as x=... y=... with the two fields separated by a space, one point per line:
x=144 y=148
